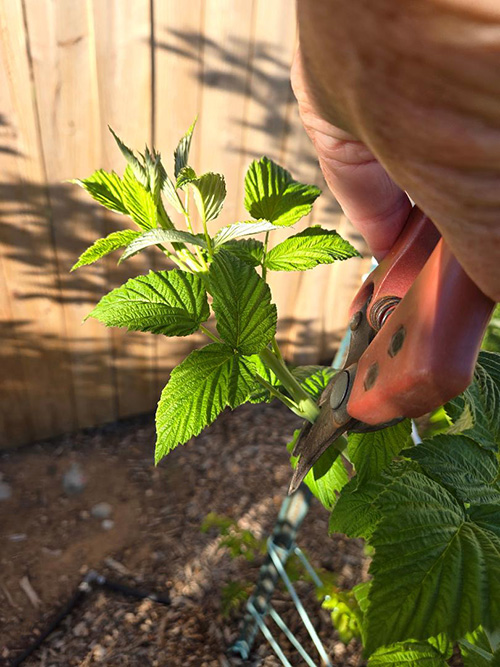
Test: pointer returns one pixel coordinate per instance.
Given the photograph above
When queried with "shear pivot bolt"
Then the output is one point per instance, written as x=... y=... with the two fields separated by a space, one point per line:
x=355 y=320
x=397 y=340
x=339 y=390
x=371 y=376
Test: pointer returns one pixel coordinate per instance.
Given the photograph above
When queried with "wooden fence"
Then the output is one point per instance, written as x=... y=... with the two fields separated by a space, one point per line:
x=145 y=67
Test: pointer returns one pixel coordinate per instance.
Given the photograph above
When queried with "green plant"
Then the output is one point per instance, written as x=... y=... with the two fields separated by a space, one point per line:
x=431 y=513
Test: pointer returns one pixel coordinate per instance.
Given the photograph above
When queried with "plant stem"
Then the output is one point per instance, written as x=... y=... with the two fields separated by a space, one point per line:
x=208 y=333
x=264 y=268
x=276 y=349
x=277 y=394
x=307 y=408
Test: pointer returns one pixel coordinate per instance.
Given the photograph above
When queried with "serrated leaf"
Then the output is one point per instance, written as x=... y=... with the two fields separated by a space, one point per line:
x=488 y=517
x=173 y=303
x=475 y=649
x=249 y=251
x=356 y=512
x=137 y=168
x=272 y=194
x=199 y=389
x=139 y=202
x=102 y=247
x=239 y=229
x=106 y=188
x=156 y=174
x=160 y=236
x=260 y=394
x=466 y=469
x=314 y=379
x=327 y=477
x=185 y=176
x=482 y=399
x=361 y=592
x=309 y=248
x=434 y=571
x=209 y=193
x=181 y=153
x=246 y=318
x=407 y=654
x=371 y=453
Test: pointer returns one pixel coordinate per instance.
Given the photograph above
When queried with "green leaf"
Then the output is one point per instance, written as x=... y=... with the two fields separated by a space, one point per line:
x=239 y=229
x=209 y=193
x=139 y=202
x=370 y=453
x=356 y=512
x=181 y=153
x=327 y=477
x=173 y=303
x=488 y=517
x=475 y=649
x=407 y=654
x=185 y=177
x=199 y=389
x=246 y=318
x=136 y=166
x=466 y=469
x=434 y=571
x=104 y=246
x=482 y=399
x=309 y=248
x=156 y=174
x=160 y=236
x=272 y=194
x=106 y=188
x=249 y=251
x=260 y=393
x=314 y=379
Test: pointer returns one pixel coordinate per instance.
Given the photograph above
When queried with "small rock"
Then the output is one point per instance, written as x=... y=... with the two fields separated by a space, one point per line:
x=74 y=480
x=101 y=511
x=84 y=515
x=108 y=524
x=5 y=491
x=18 y=537
x=81 y=630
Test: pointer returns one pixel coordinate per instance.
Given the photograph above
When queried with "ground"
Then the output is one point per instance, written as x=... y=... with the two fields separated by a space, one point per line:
x=152 y=539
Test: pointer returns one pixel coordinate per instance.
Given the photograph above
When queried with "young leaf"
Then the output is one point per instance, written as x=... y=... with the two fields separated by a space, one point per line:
x=309 y=248
x=272 y=194
x=249 y=251
x=181 y=153
x=239 y=229
x=104 y=246
x=173 y=303
x=475 y=649
x=159 y=236
x=170 y=192
x=327 y=477
x=466 y=469
x=106 y=188
x=156 y=174
x=434 y=570
x=314 y=379
x=209 y=193
x=139 y=202
x=246 y=318
x=371 y=453
x=260 y=394
x=199 y=389
x=409 y=654
x=136 y=166
x=185 y=177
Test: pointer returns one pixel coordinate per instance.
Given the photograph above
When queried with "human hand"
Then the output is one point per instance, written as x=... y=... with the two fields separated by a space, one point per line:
x=405 y=97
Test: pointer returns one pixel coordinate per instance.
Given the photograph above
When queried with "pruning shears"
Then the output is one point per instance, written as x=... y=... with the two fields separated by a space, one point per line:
x=416 y=328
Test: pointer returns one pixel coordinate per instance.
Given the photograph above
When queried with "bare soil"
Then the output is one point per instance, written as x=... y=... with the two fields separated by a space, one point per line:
x=237 y=468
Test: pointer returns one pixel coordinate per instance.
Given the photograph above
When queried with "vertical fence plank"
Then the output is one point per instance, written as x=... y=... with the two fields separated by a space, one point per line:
x=36 y=334
x=62 y=49
x=179 y=46
x=124 y=72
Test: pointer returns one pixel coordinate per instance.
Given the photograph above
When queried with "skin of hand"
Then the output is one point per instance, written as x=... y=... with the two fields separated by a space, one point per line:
x=403 y=96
